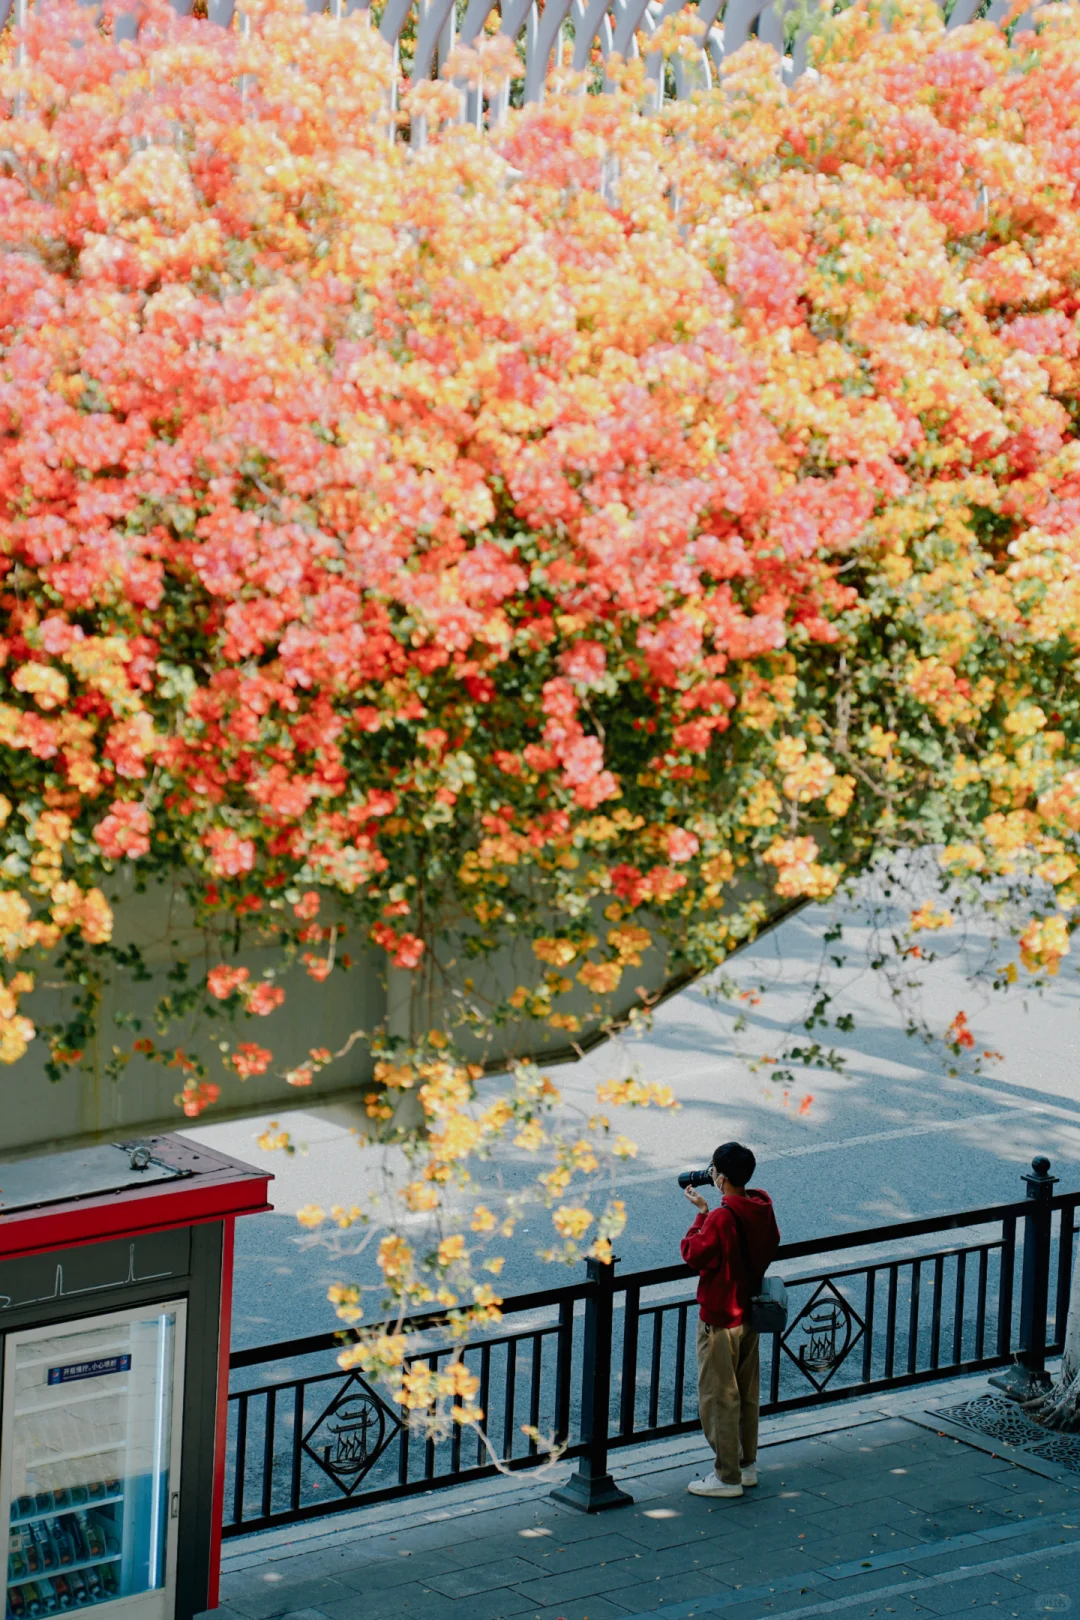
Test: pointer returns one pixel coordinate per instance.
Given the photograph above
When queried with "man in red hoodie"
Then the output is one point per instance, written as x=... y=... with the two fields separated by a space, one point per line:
x=731 y=1264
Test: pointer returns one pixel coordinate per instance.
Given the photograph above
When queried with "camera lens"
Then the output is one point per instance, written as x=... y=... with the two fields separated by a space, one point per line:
x=695 y=1178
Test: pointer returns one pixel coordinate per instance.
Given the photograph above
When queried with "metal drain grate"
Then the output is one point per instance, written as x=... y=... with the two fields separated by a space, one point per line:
x=1001 y=1419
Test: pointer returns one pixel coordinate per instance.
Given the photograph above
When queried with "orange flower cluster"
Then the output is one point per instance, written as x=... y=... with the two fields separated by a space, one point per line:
x=638 y=516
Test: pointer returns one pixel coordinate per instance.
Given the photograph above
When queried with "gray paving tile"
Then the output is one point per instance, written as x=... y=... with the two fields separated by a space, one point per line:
x=868 y=1581
x=570 y=1525
x=1035 y=1537
x=972 y=1492
x=421 y=1538
x=467 y=1583
x=410 y=1600
x=749 y=1568
x=299 y=1563
x=661 y=1592
x=874 y=1531
x=1019 y=1610
x=403 y=1570
x=884 y=1430
x=527 y=1542
x=592 y=1608
x=1036 y=1500
x=868 y=1459
x=764 y=1539
x=264 y=1600
x=669 y=1561
x=460 y=1529
x=903 y=1607
x=503 y=1604
x=888 y=1487
x=939 y=1526
x=1052 y=1586
x=804 y=1479
x=693 y=1521
x=828 y=1551
x=553 y=1557
x=600 y=1580
x=998 y=1588
x=778 y=1602
x=810 y=1448
x=958 y=1558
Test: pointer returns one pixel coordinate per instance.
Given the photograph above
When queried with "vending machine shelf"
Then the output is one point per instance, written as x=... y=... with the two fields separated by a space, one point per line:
x=49 y=1593
x=77 y=1400
x=67 y=1569
x=44 y=1459
x=18 y=1518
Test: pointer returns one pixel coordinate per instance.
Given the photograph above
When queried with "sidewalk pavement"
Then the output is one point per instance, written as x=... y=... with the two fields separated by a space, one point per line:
x=864 y=1510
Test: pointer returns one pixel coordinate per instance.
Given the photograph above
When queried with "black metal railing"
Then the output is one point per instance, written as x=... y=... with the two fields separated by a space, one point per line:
x=610 y=1361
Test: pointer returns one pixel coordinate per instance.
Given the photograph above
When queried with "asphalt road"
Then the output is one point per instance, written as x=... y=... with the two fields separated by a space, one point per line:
x=891 y=1137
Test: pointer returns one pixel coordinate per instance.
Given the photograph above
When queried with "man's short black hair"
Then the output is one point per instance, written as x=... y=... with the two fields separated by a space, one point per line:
x=735 y=1162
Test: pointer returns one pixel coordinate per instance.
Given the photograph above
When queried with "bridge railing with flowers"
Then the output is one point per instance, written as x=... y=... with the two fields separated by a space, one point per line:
x=608 y=1361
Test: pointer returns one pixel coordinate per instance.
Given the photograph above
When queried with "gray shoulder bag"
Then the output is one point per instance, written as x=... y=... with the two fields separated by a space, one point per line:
x=768 y=1295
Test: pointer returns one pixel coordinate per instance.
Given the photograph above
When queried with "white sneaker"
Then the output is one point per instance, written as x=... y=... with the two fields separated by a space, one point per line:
x=711 y=1486
x=749 y=1476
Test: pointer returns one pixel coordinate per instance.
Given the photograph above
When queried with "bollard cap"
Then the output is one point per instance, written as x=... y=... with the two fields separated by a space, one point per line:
x=1039 y=1174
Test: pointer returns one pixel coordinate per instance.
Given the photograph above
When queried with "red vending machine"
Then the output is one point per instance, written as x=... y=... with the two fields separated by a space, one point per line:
x=115 y=1300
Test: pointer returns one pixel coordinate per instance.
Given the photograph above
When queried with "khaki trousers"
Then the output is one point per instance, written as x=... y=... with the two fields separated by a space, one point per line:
x=729 y=1396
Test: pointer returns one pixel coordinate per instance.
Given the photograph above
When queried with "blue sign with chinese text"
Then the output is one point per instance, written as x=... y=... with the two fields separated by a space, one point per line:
x=89 y=1369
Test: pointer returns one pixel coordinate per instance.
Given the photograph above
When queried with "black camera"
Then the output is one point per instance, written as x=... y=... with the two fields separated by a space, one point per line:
x=696 y=1178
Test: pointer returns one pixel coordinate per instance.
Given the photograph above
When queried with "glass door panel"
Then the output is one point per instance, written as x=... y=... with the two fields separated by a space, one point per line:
x=90 y=1459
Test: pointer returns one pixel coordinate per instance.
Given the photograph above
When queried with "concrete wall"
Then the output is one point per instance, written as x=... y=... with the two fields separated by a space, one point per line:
x=86 y=1104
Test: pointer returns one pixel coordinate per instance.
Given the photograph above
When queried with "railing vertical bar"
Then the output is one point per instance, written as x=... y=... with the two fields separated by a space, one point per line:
x=980 y=1302
x=455 y=1436
x=935 y=1320
x=241 y=1458
x=485 y=1391
x=534 y=1390
x=1005 y=1287
x=1064 y=1276
x=868 y=1326
x=959 y=1303
x=654 y=1370
x=774 y=1369
x=403 y=1451
x=680 y=1364
x=628 y=1390
x=564 y=1362
x=913 y=1316
x=297 y=1446
x=890 y=1319
x=268 y=1450
x=429 y=1443
x=508 y=1409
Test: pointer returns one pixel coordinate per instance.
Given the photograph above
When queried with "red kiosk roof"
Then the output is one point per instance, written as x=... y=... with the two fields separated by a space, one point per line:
x=120 y=1189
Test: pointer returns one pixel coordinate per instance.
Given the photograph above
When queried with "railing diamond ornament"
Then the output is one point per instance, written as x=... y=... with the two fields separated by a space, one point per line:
x=830 y=1329
x=351 y=1434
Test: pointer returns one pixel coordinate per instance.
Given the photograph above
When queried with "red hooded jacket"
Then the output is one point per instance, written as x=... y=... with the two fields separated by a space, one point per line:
x=712 y=1248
